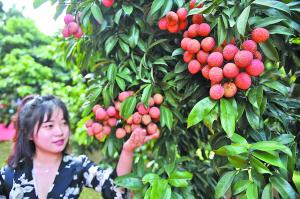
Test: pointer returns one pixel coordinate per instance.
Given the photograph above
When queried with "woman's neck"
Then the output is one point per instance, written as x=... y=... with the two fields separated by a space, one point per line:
x=47 y=158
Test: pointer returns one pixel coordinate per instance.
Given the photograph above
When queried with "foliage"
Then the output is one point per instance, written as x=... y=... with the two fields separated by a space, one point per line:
x=244 y=147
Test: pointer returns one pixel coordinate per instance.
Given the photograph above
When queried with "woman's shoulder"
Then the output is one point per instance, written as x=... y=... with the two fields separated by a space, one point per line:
x=76 y=159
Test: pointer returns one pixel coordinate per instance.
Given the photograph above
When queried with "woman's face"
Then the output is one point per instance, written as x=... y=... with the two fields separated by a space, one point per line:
x=53 y=136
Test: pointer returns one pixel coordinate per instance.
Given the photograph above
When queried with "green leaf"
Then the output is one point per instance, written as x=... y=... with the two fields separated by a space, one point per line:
x=282 y=30
x=252 y=192
x=228 y=117
x=266 y=21
x=238 y=139
x=231 y=150
x=127 y=9
x=271 y=146
x=180 y=178
x=267 y=192
x=277 y=86
x=243 y=20
x=112 y=72
x=121 y=83
x=296 y=179
x=146 y=94
x=273 y=4
x=166 y=117
x=224 y=183
x=269 y=50
x=253 y=118
x=110 y=44
x=128 y=106
x=124 y=47
x=179 y=3
x=159 y=188
x=259 y=166
x=201 y=109
x=156 y=5
x=178 y=51
x=129 y=182
x=38 y=3
x=134 y=36
x=118 y=16
x=284 y=138
x=150 y=177
x=240 y=186
x=222 y=31
x=97 y=13
x=271 y=158
x=283 y=187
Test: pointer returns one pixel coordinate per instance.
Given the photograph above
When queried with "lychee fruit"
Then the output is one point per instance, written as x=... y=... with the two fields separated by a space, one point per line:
x=97 y=128
x=249 y=45
x=260 y=35
x=193 y=46
x=172 y=18
x=146 y=119
x=194 y=66
x=112 y=122
x=215 y=59
x=106 y=130
x=151 y=128
x=243 y=81
x=216 y=92
x=193 y=30
x=215 y=74
x=182 y=14
x=163 y=24
x=90 y=131
x=142 y=109
x=203 y=29
x=187 y=57
x=130 y=120
x=79 y=33
x=123 y=95
x=185 y=34
x=183 y=25
x=137 y=118
x=257 y=55
x=173 y=28
x=107 y=3
x=184 y=43
x=197 y=19
x=229 y=52
x=96 y=107
x=88 y=123
x=151 y=101
x=65 y=32
x=100 y=114
x=120 y=133
x=72 y=27
x=230 y=70
x=69 y=18
x=158 y=99
x=111 y=111
x=243 y=58
x=154 y=112
x=127 y=128
x=202 y=57
x=208 y=44
x=255 y=68
x=205 y=71
x=118 y=105
x=230 y=89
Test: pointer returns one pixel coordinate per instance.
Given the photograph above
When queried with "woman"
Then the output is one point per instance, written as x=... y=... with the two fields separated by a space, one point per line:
x=39 y=166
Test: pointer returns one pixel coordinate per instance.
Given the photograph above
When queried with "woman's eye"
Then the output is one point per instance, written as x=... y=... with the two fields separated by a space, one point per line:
x=49 y=126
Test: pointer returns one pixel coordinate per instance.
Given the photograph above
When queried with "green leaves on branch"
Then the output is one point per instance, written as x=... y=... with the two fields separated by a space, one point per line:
x=243 y=20
x=166 y=117
x=128 y=106
x=97 y=13
x=228 y=116
x=224 y=183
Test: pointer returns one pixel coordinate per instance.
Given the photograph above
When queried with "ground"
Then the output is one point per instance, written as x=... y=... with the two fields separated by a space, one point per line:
x=5 y=150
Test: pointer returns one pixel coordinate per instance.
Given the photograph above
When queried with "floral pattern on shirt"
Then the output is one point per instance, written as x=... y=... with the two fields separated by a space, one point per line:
x=74 y=172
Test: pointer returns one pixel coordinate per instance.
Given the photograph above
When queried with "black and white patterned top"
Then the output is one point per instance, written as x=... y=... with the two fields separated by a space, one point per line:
x=74 y=172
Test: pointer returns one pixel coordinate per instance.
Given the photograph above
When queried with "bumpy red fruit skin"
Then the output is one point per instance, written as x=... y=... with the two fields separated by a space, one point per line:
x=184 y=43
x=111 y=111
x=230 y=89
x=154 y=113
x=193 y=4
x=243 y=81
x=205 y=71
x=73 y=27
x=257 y=55
x=142 y=109
x=185 y=34
x=182 y=14
x=249 y=45
x=158 y=99
x=230 y=70
x=107 y=3
x=151 y=128
x=260 y=35
x=192 y=30
x=97 y=128
x=208 y=44
x=100 y=114
x=187 y=57
x=194 y=66
x=193 y=46
x=65 y=32
x=106 y=130
x=137 y=118
x=146 y=119
x=255 y=68
x=163 y=24
x=229 y=52
x=123 y=95
x=90 y=131
x=202 y=57
x=173 y=28
x=216 y=92
x=97 y=106
x=112 y=122
x=79 y=33
x=120 y=133
x=183 y=25
x=243 y=58
x=172 y=18
x=215 y=74
x=215 y=59
x=203 y=29
x=197 y=19
x=68 y=19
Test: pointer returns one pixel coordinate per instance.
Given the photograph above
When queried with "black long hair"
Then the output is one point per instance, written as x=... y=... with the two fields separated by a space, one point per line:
x=32 y=111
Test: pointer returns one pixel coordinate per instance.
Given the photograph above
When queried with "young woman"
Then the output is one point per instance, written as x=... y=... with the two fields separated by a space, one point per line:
x=39 y=166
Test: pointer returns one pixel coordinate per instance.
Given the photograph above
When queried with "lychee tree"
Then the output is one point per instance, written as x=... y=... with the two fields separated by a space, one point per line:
x=228 y=126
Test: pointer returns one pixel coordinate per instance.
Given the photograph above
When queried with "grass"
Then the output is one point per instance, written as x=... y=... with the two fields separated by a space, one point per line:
x=5 y=151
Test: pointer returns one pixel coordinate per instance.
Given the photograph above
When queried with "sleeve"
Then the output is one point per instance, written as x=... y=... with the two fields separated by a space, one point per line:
x=2 y=193
x=102 y=180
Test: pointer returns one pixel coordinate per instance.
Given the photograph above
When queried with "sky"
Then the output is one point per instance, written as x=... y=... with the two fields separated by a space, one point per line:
x=42 y=16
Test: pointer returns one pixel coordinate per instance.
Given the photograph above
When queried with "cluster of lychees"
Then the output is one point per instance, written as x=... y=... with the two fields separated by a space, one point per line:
x=227 y=67
x=71 y=27
x=105 y=119
x=107 y=3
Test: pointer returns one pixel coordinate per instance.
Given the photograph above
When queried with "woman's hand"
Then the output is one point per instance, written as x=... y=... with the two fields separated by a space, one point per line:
x=138 y=138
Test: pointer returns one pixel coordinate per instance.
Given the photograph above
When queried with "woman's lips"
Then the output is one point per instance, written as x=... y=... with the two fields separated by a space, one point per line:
x=59 y=142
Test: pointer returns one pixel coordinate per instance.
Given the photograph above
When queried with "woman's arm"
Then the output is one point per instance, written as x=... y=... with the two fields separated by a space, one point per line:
x=137 y=139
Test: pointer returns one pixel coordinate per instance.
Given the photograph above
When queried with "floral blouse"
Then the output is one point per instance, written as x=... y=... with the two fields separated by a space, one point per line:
x=74 y=172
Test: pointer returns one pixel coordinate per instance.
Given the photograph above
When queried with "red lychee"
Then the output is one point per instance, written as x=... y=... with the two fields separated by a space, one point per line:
x=79 y=33
x=230 y=70
x=202 y=57
x=255 y=68
x=158 y=99
x=257 y=55
x=260 y=35
x=154 y=112
x=187 y=57
x=65 y=32
x=151 y=128
x=249 y=45
x=203 y=29
x=243 y=58
x=184 y=43
x=173 y=28
x=183 y=25
x=197 y=19
x=137 y=118
x=69 y=18
x=142 y=109
x=111 y=111
x=216 y=92
x=182 y=14
x=72 y=27
x=229 y=52
x=230 y=89
x=215 y=59
x=194 y=66
x=205 y=71
x=107 y=3
x=243 y=81
x=163 y=24
x=120 y=133
x=146 y=119
x=193 y=46
x=100 y=114
x=215 y=74
x=172 y=18
x=208 y=44
x=192 y=30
